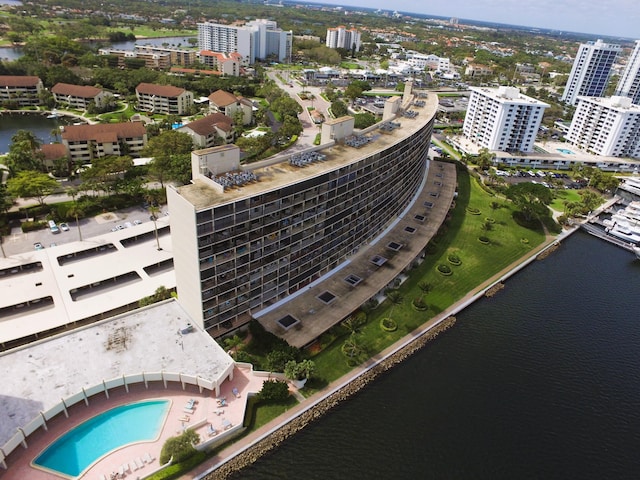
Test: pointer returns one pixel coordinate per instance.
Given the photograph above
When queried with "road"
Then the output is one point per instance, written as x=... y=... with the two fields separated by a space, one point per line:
x=293 y=88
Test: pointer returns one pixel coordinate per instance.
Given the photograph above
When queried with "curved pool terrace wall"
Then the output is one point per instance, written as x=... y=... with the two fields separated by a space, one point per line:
x=79 y=448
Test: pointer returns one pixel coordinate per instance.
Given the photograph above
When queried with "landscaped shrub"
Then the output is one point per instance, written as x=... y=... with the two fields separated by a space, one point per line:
x=388 y=324
x=32 y=226
x=444 y=270
x=179 y=448
x=273 y=391
x=454 y=259
x=473 y=211
x=419 y=304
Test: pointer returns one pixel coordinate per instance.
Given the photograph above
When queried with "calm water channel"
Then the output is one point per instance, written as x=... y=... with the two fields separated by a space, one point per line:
x=41 y=126
x=540 y=382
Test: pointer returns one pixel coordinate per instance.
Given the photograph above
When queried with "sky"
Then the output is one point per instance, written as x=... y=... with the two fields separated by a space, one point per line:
x=617 y=18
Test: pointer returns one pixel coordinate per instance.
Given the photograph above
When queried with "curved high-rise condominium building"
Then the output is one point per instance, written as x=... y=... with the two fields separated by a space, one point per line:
x=247 y=239
x=629 y=83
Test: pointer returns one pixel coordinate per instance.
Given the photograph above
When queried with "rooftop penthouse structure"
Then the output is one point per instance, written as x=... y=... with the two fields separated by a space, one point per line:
x=250 y=238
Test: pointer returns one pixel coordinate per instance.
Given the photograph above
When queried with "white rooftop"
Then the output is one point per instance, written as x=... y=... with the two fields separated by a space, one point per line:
x=37 y=376
x=509 y=95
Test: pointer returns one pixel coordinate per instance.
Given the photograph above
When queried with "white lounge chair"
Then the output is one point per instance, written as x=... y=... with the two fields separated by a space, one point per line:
x=212 y=431
x=135 y=464
x=148 y=458
x=140 y=462
x=188 y=410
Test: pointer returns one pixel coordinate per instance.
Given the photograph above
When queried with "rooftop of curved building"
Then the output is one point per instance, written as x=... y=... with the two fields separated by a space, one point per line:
x=276 y=172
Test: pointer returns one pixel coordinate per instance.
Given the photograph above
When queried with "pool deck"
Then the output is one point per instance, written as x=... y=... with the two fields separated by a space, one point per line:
x=206 y=412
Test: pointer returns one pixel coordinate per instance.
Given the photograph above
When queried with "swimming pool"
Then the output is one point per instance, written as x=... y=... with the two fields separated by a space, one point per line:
x=566 y=151
x=79 y=448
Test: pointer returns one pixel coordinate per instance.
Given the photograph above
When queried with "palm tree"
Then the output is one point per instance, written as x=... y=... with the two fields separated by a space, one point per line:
x=424 y=286
x=395 y=297
x=75 y=210
x=154 y=216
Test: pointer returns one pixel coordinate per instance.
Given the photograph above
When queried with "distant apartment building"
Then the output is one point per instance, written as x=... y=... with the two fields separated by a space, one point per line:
x=432 y=62
x=257 y=40
x=214 y=129
x=342 y=37
x=23 y=90
x=80 y=96
x=177 y=56
x=225 y=63
x=477 y=70
x=86 y=142
x=165 y=99
x=152 y=59
x=228 y=104
x=629 y=83
x=502 y=119
x=606 y=126
x=591 y=71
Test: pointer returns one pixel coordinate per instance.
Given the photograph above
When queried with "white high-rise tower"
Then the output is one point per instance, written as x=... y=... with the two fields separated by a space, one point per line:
x=629 y=84
x=591 y=71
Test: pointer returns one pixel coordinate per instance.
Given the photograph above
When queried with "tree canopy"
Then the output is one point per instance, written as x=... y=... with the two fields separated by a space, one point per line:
x=31 y=184
x=531 y=199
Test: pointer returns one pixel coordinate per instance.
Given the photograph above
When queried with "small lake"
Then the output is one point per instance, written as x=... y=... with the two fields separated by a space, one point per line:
x=37 y=123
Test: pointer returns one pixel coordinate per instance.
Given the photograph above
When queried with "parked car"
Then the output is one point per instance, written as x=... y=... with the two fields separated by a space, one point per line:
x=38 y=246
x=64 y=227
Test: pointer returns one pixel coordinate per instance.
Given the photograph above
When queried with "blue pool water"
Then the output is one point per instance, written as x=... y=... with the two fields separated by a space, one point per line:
x=566 y=151
x=77 y=449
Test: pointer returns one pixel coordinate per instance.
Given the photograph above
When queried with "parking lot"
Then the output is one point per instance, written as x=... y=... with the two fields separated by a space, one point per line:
x=19 y=242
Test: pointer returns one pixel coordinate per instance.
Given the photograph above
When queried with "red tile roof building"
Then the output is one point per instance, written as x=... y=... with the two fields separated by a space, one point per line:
x=211 y=130
x=229 y=104
x=79 y=96
x=165 y=99
x=86 y=142
x=226 y=63
x=21 y=90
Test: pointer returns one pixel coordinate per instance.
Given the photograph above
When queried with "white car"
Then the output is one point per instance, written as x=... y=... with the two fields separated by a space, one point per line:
x=64 y=227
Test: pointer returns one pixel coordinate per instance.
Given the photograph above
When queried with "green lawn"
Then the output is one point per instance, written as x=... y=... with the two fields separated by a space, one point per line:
x=479 y=262
x=562 y=196
x=350 y=65
x=144 y=31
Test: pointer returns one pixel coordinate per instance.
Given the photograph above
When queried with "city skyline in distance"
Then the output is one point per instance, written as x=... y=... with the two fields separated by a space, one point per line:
x=616 y=18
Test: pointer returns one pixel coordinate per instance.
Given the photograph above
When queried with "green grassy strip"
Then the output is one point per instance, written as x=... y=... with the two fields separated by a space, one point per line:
x=479 y=263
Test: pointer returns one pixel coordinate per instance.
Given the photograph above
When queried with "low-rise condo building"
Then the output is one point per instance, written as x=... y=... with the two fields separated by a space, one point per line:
x=209 y=131
x=80 y=96
x=23 y=90
x=86 y=142
x=165 y=99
